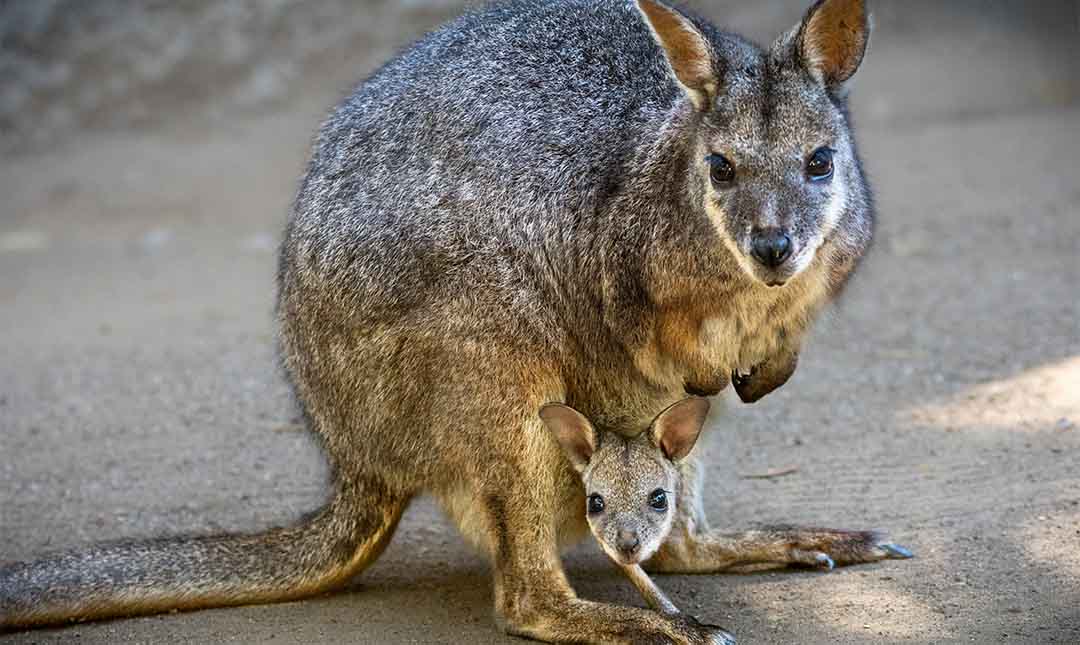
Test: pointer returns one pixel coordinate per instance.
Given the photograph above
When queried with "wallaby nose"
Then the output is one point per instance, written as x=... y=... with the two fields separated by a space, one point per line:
x=627 y=541
x=770 y=247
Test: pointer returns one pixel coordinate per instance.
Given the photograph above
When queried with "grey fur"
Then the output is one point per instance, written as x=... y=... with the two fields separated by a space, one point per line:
x=517 y=210
x=625 y=475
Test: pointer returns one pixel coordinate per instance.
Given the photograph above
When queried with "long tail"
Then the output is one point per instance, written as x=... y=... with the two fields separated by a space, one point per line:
x=143 y=577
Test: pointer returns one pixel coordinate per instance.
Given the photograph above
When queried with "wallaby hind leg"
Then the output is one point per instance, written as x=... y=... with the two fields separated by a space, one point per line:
x=532 y=595
x=692 y=547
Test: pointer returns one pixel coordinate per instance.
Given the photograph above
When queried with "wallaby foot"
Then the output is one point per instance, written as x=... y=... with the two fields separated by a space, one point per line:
x=570 y=619
x=691 y=547
x=713 y=551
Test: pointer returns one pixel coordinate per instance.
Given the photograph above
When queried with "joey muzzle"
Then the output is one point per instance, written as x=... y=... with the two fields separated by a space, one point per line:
x=764 y=377
x=627 y=542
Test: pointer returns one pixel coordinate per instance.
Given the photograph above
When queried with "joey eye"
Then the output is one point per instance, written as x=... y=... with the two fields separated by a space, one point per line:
x=595 y=504
x=658 y=500
x=819 y=166
x=721 y=171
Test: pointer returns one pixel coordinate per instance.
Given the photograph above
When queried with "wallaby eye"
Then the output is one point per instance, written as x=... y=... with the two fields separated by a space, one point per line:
x=658 y=500
x=819 y=166
x=721 y=171
x=595 y=504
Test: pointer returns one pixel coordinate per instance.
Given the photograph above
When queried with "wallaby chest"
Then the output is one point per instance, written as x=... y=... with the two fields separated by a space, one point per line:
x=695 y=347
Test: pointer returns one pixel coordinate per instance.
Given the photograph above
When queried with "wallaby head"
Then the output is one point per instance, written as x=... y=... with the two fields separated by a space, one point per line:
x=630 y=483
x=772 y=162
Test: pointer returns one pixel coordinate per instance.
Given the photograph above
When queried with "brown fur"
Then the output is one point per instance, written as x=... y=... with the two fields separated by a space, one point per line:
x=835 y=38
x=687 y=52
x=624 y=475
x=465 y=251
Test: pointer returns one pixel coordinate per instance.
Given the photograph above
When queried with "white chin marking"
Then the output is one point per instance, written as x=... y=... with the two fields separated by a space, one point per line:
x=807 y=255
x=833 y=212
x=717 y=219
x=746 y=264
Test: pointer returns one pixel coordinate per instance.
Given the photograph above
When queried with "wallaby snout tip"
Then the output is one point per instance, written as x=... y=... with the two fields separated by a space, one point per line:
x=771 y=247
x=628 y=542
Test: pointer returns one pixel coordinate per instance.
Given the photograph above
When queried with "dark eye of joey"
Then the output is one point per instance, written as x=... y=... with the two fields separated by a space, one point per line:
x=819 y=167
x=658 y=500
x=595 y=504
x=721 y=171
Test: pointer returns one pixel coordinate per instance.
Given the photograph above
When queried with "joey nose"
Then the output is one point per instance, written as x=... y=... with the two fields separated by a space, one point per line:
x=771 y=247
x=627 y=542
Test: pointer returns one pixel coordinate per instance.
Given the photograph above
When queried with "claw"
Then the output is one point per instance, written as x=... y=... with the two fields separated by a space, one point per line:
x=713 y=635
x=721 y=637
x=825 y=561
x=895 y=550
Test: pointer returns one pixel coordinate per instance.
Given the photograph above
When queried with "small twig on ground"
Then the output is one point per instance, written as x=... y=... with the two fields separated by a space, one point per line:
x=772 y=474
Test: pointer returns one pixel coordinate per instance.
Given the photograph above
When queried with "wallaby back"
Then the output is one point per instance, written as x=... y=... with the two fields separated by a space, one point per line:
x=558 y=200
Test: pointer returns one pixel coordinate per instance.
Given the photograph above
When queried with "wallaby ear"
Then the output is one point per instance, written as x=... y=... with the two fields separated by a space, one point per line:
x=686 y=48
x=832 y=39
x=573 y=432
x=676 y=429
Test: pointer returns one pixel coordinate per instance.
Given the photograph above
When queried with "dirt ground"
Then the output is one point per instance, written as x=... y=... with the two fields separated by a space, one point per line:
x=939 y=400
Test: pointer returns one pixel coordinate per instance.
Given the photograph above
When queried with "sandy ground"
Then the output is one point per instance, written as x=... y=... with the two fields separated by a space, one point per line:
x=940 y=400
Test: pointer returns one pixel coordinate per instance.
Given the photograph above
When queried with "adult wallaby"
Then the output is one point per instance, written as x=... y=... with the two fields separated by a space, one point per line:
x=606 y=203
x=630 y=485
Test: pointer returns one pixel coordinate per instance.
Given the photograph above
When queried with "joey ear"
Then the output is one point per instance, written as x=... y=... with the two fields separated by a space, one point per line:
x=832 y=39
x=688 y=52
x=676 y=429
x=573 y=432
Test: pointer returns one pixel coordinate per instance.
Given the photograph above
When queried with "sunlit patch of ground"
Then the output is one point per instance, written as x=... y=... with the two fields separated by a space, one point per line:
x=23 y=241
x=1038 y=399
x=870 y=606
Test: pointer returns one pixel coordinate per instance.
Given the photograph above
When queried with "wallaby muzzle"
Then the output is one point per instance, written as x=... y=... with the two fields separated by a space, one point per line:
x=771 y=247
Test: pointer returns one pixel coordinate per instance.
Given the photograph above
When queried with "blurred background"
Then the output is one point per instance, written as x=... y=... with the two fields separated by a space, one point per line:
x=148 y=154
x=68 y=65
